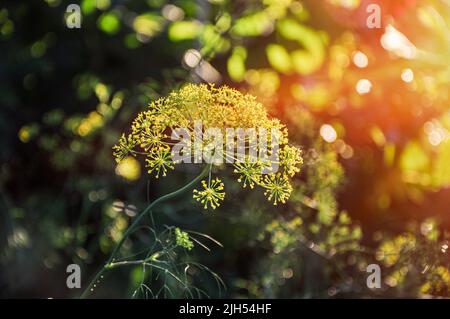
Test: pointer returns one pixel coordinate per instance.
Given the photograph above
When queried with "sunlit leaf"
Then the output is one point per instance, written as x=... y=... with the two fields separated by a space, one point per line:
x=223 y=23
x=415 y=165
x=389 y=154
x=236 y=63
x=253 y=25
x=414 y=158
x=309 y=59
x=155 y=3
x=184 y=30
x=148 y=24
x=279 y=58
x=377 y=136
x=213 y=41
x=87 y=6
x=103 y=4
x=441 y=167
x=131 y=41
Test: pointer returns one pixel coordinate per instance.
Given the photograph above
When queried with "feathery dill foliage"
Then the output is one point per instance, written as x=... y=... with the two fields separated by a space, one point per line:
x=217 y=108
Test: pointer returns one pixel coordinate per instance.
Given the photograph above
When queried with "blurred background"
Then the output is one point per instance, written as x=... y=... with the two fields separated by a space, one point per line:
x=368 y=106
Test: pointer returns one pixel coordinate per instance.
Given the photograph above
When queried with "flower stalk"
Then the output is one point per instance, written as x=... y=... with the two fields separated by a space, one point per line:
x=135 y=223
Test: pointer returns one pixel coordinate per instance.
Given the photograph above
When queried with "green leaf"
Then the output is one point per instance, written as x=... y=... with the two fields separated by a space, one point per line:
x=279 y=58
x=148 y=24
x=131 y=41
x=236 y=64
x=109 y=23
x=184 y=30
x=310 y=59
x=414 y=158
x=252 y=25
x=441 y=167
x=88 y=6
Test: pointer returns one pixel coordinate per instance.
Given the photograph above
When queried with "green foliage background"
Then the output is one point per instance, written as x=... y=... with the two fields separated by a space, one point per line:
x=380 y=195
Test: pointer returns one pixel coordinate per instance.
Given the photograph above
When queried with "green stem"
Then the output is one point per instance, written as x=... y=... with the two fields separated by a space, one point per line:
x=135 y=223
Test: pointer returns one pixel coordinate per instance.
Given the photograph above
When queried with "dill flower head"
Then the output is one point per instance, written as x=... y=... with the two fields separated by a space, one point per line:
x=211 y=195
x=221 y=126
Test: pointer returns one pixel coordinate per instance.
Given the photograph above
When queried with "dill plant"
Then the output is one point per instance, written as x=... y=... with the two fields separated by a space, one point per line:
x=220 y=108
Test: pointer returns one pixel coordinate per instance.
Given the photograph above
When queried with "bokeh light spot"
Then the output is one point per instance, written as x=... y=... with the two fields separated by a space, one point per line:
x=129 y=168
x=407 y=75
x=192 y=58
x=360 y=59
x=363 y=86
x=328 y=133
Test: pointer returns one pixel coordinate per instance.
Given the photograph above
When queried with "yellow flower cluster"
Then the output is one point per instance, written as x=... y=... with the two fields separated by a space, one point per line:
x=390 y=251
x=219 y=108
x=212 y=194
